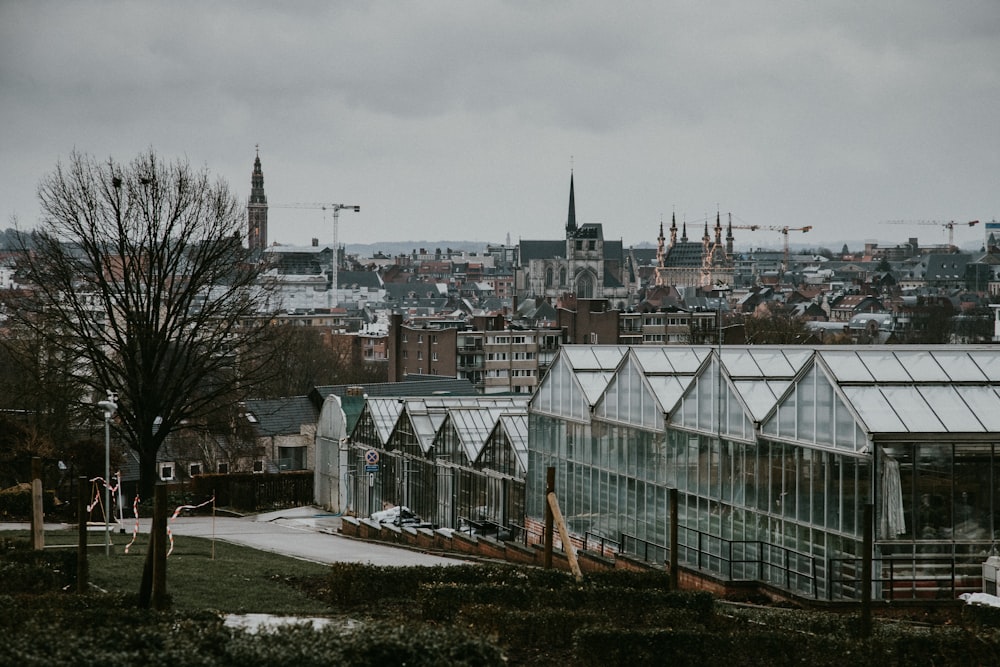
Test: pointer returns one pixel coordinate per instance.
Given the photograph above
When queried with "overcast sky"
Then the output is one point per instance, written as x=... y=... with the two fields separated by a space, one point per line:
x=461 y=120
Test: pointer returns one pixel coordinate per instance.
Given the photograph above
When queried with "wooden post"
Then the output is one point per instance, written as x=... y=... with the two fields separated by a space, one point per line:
x=159 y=548
x=37 y=513
x=82 y=571
x=574 y=566
x=866 y=572
x=550 y=487
x=674 y=546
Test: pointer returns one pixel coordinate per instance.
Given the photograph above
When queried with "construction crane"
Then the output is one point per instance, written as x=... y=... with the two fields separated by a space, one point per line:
x=947 y=224
x=336 y=209
x=784 y=229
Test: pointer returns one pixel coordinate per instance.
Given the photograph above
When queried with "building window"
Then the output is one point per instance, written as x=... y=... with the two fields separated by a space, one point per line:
x=195 y=469
x=167 y=471
x=223 y=468
x=258 y=466
x=291 y=458
x=434 y=356
x=420 y=355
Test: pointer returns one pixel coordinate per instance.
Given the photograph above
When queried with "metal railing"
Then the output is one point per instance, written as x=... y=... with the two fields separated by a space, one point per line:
x=735 y=560
x=897 y=576
x=602 y=544
x=924 y=576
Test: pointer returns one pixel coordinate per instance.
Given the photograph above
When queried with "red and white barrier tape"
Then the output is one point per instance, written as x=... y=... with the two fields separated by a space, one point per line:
x=97 y=492
x=178 y=511
x=135 y=529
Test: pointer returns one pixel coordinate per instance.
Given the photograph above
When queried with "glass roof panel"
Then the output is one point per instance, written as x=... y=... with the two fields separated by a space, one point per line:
x=884 y=366
x=989 y=362
x=845 y=366
x=593 y=384
x=759 y=396
x=609 y=356
x=581 y=357
x=653 y=359
x=949 y=407
x=911 y=407
x=384 y=413
x=516 y=428
x=797 y=357
x=423 y=428
x=773 y=363
x=921 y=366
x=958 y=365
x=685 y=360
x=874 y=409
x=740 y=363
x=668 y=389
x=984 y=402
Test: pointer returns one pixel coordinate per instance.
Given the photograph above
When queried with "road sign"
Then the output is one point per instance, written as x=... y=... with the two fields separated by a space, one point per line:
x=371 y=468
x=371 y=457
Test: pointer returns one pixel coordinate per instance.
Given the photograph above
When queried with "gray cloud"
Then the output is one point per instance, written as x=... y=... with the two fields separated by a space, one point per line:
x=452 y=119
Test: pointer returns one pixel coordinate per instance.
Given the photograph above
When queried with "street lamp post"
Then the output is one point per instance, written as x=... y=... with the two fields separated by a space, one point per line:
x=109 y=406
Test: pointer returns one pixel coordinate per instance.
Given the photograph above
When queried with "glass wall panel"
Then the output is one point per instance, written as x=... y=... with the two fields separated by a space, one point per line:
x=805 y=405
x=933 y=490
x=714 y=469
x=844 y=426
x=790 y=478
x=786 y=417
x=703 y=488
x=804 y=485
x=705 y=389
x=762 y=487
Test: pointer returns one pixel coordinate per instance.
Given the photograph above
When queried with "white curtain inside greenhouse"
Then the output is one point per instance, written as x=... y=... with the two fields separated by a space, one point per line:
x=893 y=521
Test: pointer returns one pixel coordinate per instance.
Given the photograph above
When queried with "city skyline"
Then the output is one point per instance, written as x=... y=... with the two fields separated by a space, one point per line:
x=464 y=120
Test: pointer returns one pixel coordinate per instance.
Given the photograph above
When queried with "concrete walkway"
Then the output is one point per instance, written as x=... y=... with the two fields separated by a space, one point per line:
x=302 y=532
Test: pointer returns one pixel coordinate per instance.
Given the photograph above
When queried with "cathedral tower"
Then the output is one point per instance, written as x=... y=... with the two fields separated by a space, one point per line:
x=257 y=209
x=571 y=215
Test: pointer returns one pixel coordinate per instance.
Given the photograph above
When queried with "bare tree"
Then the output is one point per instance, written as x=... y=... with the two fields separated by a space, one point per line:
x=772 y=325
x=307 y=357
x=138 y=278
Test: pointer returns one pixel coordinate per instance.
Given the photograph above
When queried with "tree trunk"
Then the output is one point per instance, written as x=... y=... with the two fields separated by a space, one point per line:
x=148 y=473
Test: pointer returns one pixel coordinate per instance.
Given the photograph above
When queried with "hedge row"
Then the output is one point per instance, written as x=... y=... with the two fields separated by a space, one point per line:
x=612 y=646
x=115 y=635
x=25 y=570
x=15 y=503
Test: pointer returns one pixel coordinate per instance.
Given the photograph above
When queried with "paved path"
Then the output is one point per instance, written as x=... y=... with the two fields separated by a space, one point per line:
x=304 y=532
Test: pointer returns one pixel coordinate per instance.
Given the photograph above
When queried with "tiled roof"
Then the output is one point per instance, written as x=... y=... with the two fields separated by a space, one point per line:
x=281 y=416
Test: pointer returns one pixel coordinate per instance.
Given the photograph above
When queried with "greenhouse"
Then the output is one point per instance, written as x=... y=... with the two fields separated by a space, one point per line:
x=775 y=453
x=457 y=462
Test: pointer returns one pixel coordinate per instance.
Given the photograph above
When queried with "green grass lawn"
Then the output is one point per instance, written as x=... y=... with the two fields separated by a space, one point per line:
x=236 y=580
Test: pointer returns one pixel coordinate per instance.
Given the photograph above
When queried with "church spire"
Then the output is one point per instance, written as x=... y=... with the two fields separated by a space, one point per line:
x=660 y=250
x=718 y=228
x=257 y=208
x=673 y=229
x=684 y=231
x=571 y=215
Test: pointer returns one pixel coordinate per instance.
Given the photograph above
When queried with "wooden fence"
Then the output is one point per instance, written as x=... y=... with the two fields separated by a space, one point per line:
x=255 y=492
